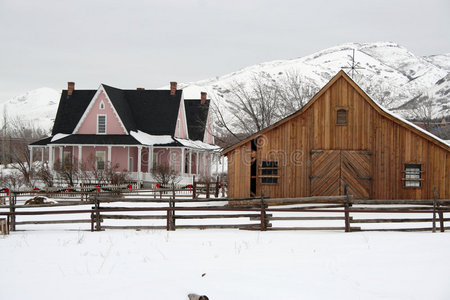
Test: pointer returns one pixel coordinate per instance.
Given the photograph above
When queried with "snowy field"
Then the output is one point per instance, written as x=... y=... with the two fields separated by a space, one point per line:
x=51 y=262
x=224 y=264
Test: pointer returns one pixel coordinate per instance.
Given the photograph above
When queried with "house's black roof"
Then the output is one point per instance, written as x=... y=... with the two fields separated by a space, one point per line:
x=42 y=142
x=70 y=110
x=151 y=111
x=196 y=117
x=97 y=139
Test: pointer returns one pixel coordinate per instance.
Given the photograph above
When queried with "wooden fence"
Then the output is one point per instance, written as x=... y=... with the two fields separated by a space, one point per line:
x=259 y=214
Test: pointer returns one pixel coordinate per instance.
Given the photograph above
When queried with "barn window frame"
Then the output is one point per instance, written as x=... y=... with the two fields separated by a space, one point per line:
x=412 y=175
x=342 y=115
x=269 y=172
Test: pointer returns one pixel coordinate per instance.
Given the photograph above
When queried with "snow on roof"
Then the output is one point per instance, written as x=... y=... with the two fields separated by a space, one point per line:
x=149 y=139
x=59 y=136
x=408 y=122
x=197 y=144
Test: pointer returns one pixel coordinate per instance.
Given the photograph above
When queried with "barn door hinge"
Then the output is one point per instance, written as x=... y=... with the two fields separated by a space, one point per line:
x=365 y=178
x=311 y=177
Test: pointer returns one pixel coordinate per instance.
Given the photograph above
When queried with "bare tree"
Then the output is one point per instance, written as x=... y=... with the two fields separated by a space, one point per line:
x=19 y=134
x=165 y=175
x=251 y=106
x=423 y=112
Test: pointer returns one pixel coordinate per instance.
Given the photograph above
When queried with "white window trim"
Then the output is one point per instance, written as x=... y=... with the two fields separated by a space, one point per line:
x=106 y=122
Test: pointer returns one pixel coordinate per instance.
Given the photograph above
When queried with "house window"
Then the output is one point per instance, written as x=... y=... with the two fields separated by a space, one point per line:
x=101 y=124
x=100 y=160
x=341 y=117
x=67 y=161
x=413 y=175
x=102 y=105
x=269 y=172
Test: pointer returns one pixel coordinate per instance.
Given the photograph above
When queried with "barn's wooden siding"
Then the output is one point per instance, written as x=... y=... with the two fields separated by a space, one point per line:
x=390 y=142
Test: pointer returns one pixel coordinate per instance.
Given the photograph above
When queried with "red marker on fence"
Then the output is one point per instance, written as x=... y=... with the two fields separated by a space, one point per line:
x=7 y=191
x=98 y=188
x=68 y=189
x=130 y=187
x=158 y=185
x=35 y=189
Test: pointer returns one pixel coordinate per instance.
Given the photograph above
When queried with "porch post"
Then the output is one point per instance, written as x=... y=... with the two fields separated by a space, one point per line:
x=50 y=157
x=139 y=163
x=190 y=162
x=217 y=157
x=109 y=155
x=150 y=159
x=80 y=158
x=42 y=155
x=182 y=160
x=61 y=156
x=197 y=160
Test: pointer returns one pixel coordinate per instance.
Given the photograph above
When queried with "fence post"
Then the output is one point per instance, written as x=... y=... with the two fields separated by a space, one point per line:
x=207 y=190
x=194 y=189
x=12 y=209
x=216 y=193
x=437 y=206
x=263 y=213
x=172 y=206
x=346 y=208
x=98 y=225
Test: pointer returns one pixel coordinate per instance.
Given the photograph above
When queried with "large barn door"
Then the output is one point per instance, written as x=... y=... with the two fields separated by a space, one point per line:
x=325 y=173
x=355 y=172
x=332 y=169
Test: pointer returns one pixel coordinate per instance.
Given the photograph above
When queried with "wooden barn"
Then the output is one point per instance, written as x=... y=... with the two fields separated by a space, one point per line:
x=340 y=137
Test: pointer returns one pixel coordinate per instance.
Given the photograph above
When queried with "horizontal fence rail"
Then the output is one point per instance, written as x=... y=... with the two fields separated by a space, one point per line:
x=338 y=212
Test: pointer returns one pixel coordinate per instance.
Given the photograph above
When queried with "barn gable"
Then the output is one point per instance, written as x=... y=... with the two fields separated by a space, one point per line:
x=341 y=137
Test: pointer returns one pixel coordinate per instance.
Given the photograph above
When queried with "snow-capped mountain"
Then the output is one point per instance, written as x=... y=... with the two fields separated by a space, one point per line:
x=37 y=106
x=388 y=72
x=384 y=68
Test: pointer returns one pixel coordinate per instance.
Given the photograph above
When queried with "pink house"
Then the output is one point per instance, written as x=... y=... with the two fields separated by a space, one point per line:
x=132 y=129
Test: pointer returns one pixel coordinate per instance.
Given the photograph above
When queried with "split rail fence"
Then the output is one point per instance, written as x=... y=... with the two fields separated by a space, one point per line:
x=341 y=212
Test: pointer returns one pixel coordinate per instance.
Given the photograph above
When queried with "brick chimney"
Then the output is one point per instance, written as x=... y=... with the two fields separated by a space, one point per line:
x=202 y=97
x=70 y=88
x=173 y=88
x=140 y=89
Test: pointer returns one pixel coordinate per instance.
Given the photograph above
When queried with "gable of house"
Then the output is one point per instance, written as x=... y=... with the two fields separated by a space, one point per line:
x=100 y=113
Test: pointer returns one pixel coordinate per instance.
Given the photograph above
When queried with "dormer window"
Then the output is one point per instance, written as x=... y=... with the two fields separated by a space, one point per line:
x=101 y=124
x=102 y=105
x=341 y=116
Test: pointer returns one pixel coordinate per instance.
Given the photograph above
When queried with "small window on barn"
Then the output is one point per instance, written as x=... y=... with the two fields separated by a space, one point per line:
x=269 y=172
x=341 y=117
x=413 y=175
x=101 y=124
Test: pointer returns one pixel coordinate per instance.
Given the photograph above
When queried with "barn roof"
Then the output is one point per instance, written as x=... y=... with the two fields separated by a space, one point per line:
x=341 y=74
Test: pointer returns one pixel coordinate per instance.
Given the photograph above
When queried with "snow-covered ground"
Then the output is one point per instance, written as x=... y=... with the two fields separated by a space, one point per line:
x=50 y=263
x=224 y=264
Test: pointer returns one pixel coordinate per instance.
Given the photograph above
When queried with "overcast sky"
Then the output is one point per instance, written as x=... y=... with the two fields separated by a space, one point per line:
x=131 y=44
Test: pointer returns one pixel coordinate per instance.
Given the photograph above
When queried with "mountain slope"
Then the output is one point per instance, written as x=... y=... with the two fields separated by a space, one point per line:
x=390 y=74
x=37 y=106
